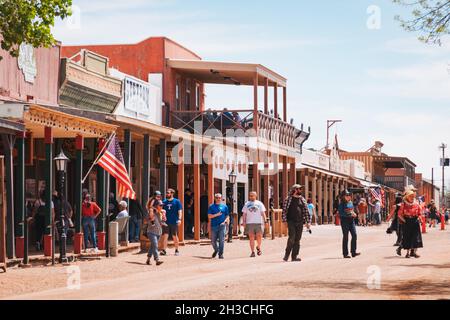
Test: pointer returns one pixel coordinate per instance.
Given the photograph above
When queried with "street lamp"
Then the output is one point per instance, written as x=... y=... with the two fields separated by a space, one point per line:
x=232 y=177
x=61 y=166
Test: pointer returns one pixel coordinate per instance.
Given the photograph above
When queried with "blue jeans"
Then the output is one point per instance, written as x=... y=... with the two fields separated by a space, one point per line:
x=134 y=227
x=89 y=231
x=153 y=250
x=218 y=234
x=377 y=218
x=348 y=226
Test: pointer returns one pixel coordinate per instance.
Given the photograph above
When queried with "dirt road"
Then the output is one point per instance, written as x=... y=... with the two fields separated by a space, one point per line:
x=323 y=274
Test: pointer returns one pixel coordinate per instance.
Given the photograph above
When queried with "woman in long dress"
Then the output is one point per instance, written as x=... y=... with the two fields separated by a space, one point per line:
x=410 y=214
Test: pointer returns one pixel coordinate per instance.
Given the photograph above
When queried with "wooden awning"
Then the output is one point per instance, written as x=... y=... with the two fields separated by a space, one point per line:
x=231 y=73
x=64 y=125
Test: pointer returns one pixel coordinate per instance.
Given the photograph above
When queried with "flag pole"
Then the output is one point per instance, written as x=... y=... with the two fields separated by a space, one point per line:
x=99 y=156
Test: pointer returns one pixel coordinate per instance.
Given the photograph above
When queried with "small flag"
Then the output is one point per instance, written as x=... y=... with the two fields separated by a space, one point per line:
x=112 y=161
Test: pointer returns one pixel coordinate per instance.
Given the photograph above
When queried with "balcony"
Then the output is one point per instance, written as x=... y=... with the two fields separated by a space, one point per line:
x=212 y=123
x=396 y=182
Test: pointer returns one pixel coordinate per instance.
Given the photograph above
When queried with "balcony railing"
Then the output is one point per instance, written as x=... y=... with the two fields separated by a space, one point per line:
x=210 y=121
x=396 y=182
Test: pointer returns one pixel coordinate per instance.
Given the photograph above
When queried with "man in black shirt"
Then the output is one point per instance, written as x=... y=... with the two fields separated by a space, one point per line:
x=295 y=213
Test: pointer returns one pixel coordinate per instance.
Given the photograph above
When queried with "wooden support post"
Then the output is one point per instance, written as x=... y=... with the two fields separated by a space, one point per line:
x=78 y=238
x=48 y=235
x=197 y=162
x=19 y=192
x=320 y=196
x=180 y=182
x=314 y=194
x=266 y=96
x=162 y=165
x=285 y=179
x=275 y=102
x=146 y=171
x=285 y=104
x=325 y=200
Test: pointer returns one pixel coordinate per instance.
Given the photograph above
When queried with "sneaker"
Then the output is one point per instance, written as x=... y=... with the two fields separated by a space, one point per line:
x=177 y=253
x=399 y=251
x=259 y=252
x=286 y=258
x=296 y=259
x=214 y=254
x=158 y=263
x=163 y=253
x=221 y=257
x=95 y=250
x=354 y=255
x=347 y=257
x=252 y=255
x=148 y=262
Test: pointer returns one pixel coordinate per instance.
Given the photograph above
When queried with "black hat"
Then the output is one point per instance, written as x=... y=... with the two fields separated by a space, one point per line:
x=346 y=193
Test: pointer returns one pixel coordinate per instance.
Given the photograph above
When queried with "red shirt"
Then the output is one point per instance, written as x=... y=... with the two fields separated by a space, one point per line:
x=410 y=210
x=90 y=211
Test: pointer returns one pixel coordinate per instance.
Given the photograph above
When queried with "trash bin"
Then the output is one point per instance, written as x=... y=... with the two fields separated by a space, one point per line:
x=113 y=239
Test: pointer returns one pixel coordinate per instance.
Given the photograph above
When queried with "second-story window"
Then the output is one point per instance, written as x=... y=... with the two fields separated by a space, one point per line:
x=188 y=94
x=178 y=94
x=197 y=96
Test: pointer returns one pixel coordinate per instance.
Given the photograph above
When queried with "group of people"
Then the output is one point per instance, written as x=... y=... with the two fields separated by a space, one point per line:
x=164 y=216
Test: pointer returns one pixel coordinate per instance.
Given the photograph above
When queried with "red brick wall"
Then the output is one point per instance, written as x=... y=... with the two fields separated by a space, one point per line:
x=146 y=57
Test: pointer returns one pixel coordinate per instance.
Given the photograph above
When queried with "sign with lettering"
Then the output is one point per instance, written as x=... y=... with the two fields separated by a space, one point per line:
x=27 y=62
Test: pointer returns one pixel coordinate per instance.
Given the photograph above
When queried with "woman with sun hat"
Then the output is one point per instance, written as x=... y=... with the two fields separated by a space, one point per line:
x=410 y=214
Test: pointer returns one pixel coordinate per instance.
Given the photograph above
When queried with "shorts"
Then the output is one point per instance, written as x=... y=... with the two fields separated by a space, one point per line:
x=254 y=228
x=171 y=230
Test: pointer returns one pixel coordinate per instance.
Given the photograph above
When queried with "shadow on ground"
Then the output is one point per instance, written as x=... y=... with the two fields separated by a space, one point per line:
x=398 y=289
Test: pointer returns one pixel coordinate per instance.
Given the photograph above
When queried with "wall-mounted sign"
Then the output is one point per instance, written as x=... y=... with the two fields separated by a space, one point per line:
x=27 y=62
x=137 y=96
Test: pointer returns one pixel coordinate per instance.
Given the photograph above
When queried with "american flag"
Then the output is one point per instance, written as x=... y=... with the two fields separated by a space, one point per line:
x=376 y=194
x=112 y=161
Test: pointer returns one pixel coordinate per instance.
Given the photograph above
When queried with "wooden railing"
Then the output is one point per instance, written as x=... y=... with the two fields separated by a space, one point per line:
x=267 y=127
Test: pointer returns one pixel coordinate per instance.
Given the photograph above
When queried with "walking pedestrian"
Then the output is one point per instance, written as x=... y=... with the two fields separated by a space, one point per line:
x=376 y=205
x=296 y=214
x=220 y=216
x=347 y=215
x=410 y=214
x=174 y=213
x=396 y=224
x=156 y=215
x=362 y=212
x=312 y=212
x=254 y=217
x=90 y=211
x=433 y=214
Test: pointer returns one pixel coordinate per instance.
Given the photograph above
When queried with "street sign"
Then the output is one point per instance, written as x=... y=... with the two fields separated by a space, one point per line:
x=445 y=162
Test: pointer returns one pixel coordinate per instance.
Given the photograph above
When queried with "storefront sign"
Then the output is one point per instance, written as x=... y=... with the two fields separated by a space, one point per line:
x=27 y=62
x=137 y=96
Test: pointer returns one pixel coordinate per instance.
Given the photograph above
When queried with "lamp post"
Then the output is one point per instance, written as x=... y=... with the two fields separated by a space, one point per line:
x=232 y=178
x=61 y=166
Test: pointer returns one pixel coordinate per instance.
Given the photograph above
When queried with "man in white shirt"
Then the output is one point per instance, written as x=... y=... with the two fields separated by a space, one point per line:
x=254 y=216
x=123 y=213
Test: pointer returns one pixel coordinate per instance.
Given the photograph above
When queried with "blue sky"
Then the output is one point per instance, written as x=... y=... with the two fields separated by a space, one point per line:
x=383 y=83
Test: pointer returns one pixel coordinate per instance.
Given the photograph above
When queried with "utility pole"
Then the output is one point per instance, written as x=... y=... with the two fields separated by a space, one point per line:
x=443 y=146
x=330 y=123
